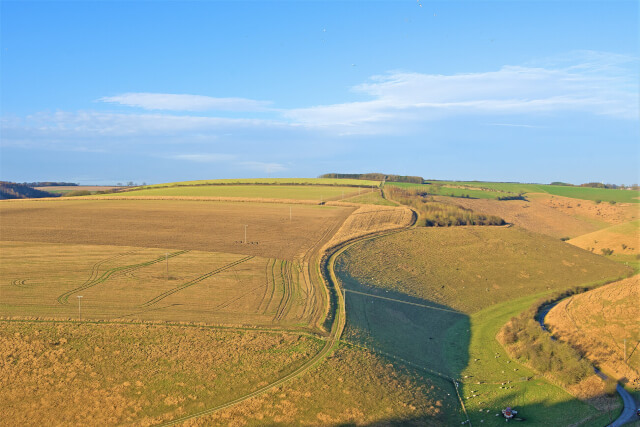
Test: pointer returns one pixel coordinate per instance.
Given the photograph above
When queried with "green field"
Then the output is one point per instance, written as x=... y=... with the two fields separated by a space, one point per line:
x=371 y=198
x=273 y=181
x=450 y=191
x=284 y=192
x=584 y=193
x=437 y=298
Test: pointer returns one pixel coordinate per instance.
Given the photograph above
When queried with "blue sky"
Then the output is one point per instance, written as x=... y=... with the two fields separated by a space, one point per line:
x=113 y=91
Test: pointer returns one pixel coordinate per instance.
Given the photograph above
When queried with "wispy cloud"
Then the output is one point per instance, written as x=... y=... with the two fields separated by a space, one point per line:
x=203 y=158
x=512 y=125
x=262 y=166
x=401 y=97
x=185 y=102
x=396 y=103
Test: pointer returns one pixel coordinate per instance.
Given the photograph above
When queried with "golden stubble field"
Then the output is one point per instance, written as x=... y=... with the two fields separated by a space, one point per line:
x=598 y=322
x=187 y=225
x=44 y=280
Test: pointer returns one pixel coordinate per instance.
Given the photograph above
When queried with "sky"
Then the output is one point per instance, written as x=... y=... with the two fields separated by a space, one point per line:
x=99 y=92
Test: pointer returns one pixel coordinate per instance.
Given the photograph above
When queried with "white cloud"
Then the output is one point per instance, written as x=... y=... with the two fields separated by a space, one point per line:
x=185 y=102
x=262 y=166
x=203 y=158
x=591 y=87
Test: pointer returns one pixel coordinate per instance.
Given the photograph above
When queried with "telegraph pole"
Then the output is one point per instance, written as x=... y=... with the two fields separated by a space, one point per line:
x=79 y=312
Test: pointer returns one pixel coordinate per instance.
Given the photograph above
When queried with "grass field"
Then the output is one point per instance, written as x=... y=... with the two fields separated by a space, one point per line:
x=284 y=192
x=274 y=181
x=533 y=216
x=186 y=225
x=470 y=268
x=371 y=198
x=353 y=387
x=598 y=322
x=58 y=189
x=438 y=297
x=110 y=374
x=450 y=191
x=584 y=193
x=621 y=238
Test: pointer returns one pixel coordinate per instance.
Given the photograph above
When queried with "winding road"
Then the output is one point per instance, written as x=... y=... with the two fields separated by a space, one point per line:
x=629 y=410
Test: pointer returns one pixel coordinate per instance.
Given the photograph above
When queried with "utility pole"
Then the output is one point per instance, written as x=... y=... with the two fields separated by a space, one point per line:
x=79 y=312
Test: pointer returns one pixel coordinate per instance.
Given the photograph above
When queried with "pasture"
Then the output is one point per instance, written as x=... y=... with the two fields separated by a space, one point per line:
x=623 y=239
x=185 y=225
x=318 y=193
x=354 y=386
x=438 y=297
x=532 y=215
x=62 y=373
x=470 y=268
x=272 y=182
x=584 y=193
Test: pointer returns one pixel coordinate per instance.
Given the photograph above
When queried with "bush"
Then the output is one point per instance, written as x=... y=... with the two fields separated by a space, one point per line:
x=78 y=193
x=564 y=239
x=598 y=201
x=613 y=202
x=606 y=251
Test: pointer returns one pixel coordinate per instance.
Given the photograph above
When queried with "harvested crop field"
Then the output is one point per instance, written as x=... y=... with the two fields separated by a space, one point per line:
x=598 y=322
x=127 y=283
x=371 y=219
x=291 y=192
x=113 y=374
x=530 y=215
x=186 y=225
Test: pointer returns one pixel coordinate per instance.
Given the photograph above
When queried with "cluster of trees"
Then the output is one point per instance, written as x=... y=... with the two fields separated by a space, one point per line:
x=600 y=185
x=526 y=341
x=375 y=177
x=13 y=190
x=438 y=214
x=49 y=184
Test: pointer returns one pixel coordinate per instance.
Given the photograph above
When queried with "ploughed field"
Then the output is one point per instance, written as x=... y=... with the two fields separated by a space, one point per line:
x=177 y=224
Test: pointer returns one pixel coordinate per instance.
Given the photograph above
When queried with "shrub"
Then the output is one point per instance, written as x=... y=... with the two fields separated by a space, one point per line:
x=564 y=239
x=606 y=251
x=78 y=193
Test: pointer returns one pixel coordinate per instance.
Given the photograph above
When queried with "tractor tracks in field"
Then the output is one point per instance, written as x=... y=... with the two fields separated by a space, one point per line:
x=337 y=316
x=192 y=282
x=95 y=278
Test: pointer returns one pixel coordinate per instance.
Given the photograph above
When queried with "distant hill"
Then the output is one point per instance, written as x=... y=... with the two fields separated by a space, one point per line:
x=375 y=177
x=12 y=190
